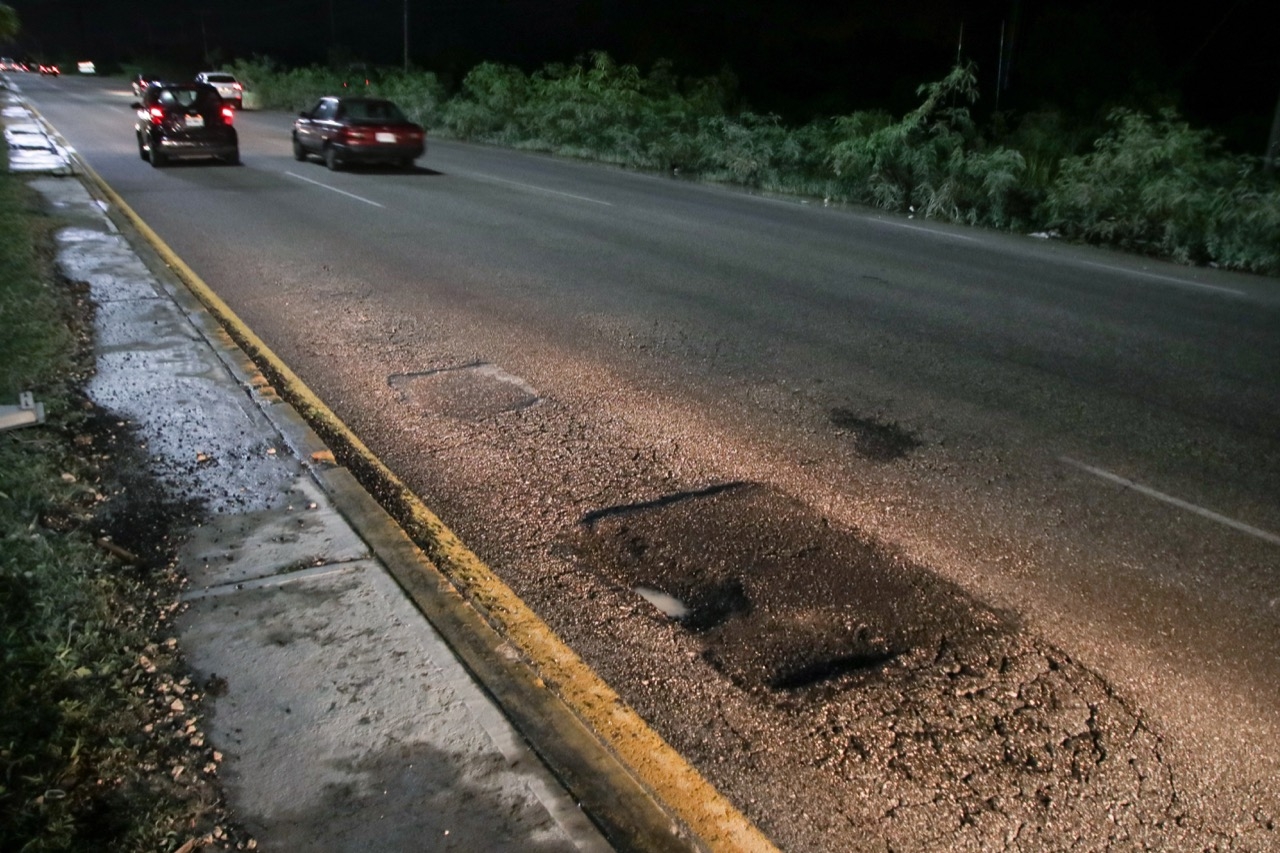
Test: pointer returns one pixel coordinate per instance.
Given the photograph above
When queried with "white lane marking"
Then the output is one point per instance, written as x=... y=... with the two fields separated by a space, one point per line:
x=933 y=231
x=1167 y=278
x=480 y=177
x=336 y=190
x=1169 y=499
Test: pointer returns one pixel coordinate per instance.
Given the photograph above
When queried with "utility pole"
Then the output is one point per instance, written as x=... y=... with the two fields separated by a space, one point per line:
x=204 y=36
x=1273 y=144
x=1000 y=67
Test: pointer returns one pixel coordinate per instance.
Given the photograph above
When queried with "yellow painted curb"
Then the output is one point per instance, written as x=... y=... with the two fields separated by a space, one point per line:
x=714 y=820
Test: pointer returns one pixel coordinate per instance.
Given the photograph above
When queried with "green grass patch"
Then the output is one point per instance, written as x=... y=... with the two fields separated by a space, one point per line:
x=100 y=748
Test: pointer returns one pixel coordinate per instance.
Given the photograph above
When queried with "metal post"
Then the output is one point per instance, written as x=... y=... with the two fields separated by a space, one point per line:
x=1273 y=144
x=1000 y=68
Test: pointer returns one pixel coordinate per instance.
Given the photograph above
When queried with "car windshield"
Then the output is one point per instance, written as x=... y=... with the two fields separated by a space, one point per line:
x=371 y=111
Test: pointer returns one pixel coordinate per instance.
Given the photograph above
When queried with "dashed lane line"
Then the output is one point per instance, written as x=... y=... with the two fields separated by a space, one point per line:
x=1172 y=501
x=335 y=189
x=535 y=188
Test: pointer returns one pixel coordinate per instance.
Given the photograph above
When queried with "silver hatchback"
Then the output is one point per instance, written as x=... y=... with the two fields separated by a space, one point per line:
x=226 y=84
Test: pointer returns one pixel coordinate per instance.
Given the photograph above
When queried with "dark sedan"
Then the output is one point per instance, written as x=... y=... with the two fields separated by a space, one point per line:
x=357 y=130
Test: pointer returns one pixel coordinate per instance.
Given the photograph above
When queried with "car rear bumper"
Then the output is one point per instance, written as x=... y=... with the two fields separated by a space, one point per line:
x=380 y=153
x=180 y=148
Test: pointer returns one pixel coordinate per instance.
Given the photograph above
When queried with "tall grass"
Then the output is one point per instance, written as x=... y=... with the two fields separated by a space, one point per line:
x=1147 y=183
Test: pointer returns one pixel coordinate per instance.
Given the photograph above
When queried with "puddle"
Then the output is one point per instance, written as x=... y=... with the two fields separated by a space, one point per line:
x=668 y=605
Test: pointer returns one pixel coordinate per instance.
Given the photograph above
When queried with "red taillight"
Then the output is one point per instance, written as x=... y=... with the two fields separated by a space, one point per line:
x=228 y=114
x=238 y=87
x=157 y=115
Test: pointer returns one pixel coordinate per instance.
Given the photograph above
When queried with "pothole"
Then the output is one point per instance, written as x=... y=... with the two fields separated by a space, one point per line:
x=874 y=439
x=778 y=598
x=472 y=392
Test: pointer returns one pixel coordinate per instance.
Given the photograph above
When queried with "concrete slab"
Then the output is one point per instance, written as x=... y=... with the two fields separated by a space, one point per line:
x=344 y=723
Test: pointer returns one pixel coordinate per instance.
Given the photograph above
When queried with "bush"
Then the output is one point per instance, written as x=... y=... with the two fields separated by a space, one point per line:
x=933 y=162
x=1158 y=186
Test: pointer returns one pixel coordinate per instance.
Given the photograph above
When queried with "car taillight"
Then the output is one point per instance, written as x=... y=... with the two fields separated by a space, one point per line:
x=157 y=115
x=228 y=114
x=238 y=87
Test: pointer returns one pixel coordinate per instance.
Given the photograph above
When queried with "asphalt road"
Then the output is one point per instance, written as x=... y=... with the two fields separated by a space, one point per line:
x=1054 y=459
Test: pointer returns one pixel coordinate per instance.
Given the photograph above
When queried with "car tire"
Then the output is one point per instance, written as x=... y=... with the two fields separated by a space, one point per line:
x=232 y=159
x=331 y=159
x=157 y=157
x=299 y=153
x=407 y=164
x=142 y=149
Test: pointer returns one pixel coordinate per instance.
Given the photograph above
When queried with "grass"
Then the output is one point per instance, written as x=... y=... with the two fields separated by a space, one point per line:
x=100 y=747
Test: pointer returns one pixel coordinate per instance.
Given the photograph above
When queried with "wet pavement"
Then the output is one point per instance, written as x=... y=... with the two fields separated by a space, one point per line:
x=345 y=721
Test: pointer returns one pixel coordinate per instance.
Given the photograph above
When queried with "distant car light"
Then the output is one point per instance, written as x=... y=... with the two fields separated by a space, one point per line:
x=86 y=67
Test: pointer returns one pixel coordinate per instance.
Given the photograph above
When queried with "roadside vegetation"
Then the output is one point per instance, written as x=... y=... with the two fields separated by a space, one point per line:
x=1140 y=181
x=100 y=748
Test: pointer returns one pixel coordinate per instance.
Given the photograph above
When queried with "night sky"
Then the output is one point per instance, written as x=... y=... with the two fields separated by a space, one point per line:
x=1220 y=64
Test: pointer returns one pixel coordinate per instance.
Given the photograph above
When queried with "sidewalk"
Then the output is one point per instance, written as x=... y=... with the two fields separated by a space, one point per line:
x=345 y=721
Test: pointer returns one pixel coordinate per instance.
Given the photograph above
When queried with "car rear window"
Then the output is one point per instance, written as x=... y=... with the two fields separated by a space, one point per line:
x=219 y=78
x=202 y=99
x=371 y=111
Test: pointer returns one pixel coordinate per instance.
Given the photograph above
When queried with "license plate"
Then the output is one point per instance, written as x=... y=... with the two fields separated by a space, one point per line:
x=385 y=137
x=195 y=121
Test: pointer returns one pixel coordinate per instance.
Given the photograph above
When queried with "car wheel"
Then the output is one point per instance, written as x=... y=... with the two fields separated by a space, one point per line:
x=157 y=156
x=232 y=159
x=407 y=164
x=299 y=153
x=331 y=158
x=142 y=149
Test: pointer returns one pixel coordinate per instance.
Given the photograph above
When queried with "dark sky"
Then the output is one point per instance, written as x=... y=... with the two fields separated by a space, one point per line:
x=1219 y=62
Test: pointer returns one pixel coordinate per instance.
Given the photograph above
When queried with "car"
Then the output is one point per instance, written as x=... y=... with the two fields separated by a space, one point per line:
x=49 y=69
x=347 y=130
x=226 y=84
x=141 y=81
x=178 y=121
x=9 y=64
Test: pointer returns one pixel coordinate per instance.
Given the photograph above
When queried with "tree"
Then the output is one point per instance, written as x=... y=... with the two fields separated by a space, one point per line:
x=9 y=25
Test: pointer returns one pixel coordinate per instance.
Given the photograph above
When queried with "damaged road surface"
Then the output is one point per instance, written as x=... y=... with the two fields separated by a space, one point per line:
x=959 y=729
x=908 y=537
